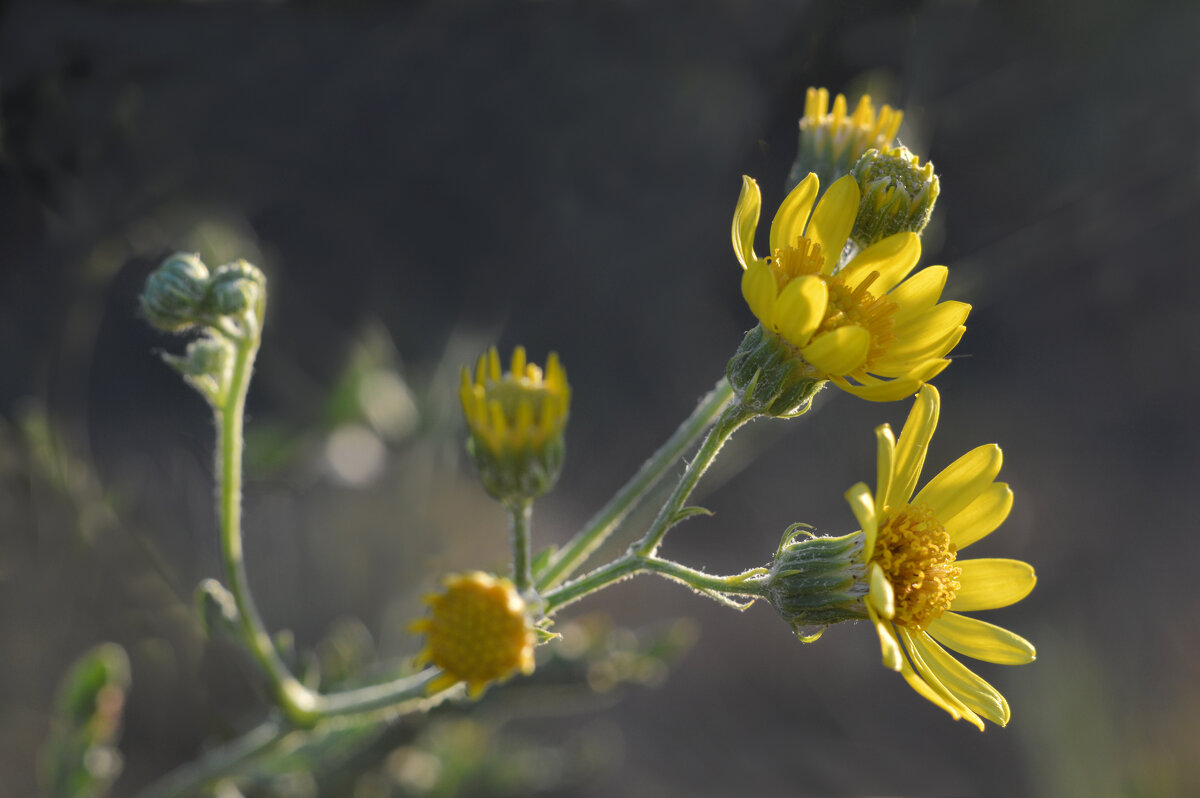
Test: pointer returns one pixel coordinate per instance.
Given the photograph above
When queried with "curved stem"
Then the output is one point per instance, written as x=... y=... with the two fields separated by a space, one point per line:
x=602 y=524
x=219 y=762
x=296 y=700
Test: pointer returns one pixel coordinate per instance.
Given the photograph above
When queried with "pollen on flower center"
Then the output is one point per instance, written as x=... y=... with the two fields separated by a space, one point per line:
x=860 y=307
x=789 y=263
x=917 y=557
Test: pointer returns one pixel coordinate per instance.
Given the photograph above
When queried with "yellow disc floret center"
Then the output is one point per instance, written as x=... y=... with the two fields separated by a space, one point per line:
x=478 y=630
x=917 y=557
x=788 y=263
x=860 y=307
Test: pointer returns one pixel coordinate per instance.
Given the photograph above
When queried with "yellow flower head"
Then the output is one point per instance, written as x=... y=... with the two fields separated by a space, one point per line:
x=516 y=420
x=478 y=631
x=863 y=325
x=919 y=587
x=832 y=140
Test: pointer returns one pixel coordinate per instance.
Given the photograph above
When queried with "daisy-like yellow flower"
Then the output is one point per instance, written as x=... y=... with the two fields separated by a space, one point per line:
x=478 y=631
x=919 y=587
x=863 y=326
x=831 y=139
x=516 y=421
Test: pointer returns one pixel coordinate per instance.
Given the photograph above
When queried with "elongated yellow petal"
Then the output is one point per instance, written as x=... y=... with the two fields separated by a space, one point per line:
x=885 y=453
x=982 y=640
x=991 y=583
x=979 y=518
x=888 y=391
x=913 y=445
x=800 y=308
x=918 y=293
x=966 y=686
x=832 y=220
x=889 y=646
x=758 y=287
x=863 y=507
x=789 y=221
x=937 y=322
x=840 y=350
x=893 y=257
x=745 y=221
x=881 y=595
x=931 y=677
x=961 y=482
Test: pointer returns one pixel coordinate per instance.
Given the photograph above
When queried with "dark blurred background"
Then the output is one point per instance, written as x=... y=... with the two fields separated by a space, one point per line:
x=423 y=179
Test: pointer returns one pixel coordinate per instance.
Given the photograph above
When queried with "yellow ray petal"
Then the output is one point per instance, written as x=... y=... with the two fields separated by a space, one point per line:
x=885 y=454
x=883 y=391
x=800 y=308
x=919 y=292
x=937 y=322
x=913 y=445
x=789 y=221
x=979 y=518
x=961 y=482
x=893 y=257
x=932 y=677
x=982 y=640
x=919 y=348
x=832 y=220
x=881 y=597
x=965 y=684
x=992 y=583
x=863 y=507
x=889 y=646
x=745 y=221
x=840 y=350
x=758 y=287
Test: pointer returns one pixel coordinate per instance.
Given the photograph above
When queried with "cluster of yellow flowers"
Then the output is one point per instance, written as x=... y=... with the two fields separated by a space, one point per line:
x=839 y=299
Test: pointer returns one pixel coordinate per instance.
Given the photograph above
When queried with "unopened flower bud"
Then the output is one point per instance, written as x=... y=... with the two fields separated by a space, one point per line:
x=516 y=421
x=897 y=194
x=235 y=288
x=832 y=140
x=175 y=293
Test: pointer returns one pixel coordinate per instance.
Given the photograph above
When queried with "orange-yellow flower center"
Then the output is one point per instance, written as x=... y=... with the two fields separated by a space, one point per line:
x=875 y=314
x=478 y=630
x=917 y=557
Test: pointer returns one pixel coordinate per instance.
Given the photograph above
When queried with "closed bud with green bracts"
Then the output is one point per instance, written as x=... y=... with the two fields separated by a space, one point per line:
x=174 y=297
x=235 y=288
x=832 y=139
x=815 y=582
x=770 y=377
x=898 y=194
x=516 y=421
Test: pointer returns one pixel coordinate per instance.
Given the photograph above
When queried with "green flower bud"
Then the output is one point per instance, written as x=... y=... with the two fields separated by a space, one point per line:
x=770 y=377
x=175 y=293
x=832 y=139
x=817 y=581
x=235 y=288
x=897 y=194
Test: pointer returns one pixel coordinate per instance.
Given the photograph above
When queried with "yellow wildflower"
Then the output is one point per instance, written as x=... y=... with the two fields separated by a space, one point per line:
x=863 y=325
x=919 y=587
x=478 y=631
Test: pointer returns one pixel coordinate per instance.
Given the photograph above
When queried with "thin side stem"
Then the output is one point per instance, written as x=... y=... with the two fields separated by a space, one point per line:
x=743 y=584
x=519 y=514
x=733 y=417
x=601 y=526
x=219 y=762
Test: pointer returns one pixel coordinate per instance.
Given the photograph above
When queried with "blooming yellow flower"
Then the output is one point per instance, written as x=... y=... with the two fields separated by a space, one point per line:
x=919 y=587
x=516 y=420
x=843 y=137
x=478 y=631
x=863 y=326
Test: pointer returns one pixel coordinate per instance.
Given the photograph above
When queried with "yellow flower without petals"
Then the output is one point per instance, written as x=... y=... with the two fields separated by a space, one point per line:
x=862 y=325
x=919 y=587
x=478 y=631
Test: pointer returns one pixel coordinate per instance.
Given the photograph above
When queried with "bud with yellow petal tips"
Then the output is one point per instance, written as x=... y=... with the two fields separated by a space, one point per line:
x=516 y=421
x=832 y=140
x=898 y=194
x=478 y=631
